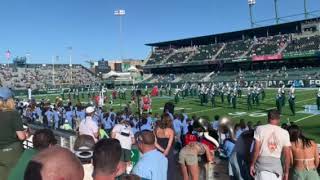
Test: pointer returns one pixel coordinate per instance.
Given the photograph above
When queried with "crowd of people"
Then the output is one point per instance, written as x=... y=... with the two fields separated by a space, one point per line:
x=40 y=76
x=172 y=146
x=244 y=48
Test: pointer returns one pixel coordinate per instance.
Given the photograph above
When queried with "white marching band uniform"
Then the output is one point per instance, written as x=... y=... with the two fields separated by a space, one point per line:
x=292 y=91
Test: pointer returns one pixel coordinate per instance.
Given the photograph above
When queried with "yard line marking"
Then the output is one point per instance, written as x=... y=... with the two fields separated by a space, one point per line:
x=305 y=118
x=204 y=110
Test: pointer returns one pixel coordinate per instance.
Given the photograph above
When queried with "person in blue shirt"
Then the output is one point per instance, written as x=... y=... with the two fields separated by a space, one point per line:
x=56 y=118
x=145 y=125
x=81 y=113
x=146 y=167
x=108 y=123
x=49 y=116
x=69 y=115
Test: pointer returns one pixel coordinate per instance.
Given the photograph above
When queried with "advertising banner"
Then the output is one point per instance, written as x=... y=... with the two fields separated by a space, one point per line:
x=267 y=57
x=242 y=60
x=292 y=55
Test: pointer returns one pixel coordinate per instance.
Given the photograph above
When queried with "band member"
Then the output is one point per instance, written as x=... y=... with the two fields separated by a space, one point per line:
x=283 y=95
x=146 y=103
x=239 y=91
x=234 y=98
x=184 y=92
x=253 y=94
x=257 y=95
x=222 y=91
x=74 y=93
x=29 y=93
x=318 y=99
x=291 y=100
x=89 y=94
x=263 y=93
x=77 y=94
x=62 y=94
x=82 y=93
x=161 y=90
x=229 y=94
x=279 y=100
x=176 y=95
x=202 y=94
x=213 y=96
x=249 y=98
x=114 y=94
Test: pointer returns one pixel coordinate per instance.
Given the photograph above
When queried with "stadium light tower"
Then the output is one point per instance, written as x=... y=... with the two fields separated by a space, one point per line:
x=70 y=62
x=8 y=55
x=251 y=3
x=53 y=78
x=28 y=57
x=276 y=11
x=305 y=9
x=120 y=13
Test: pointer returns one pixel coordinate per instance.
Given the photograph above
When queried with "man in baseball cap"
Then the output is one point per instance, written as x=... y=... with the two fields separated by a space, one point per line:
x=88 y=126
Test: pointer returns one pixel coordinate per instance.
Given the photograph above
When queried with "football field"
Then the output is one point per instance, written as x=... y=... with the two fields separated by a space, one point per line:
x=306 y=115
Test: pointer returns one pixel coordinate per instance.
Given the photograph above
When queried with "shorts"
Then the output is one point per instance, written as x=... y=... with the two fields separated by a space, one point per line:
x=305 y=174
x=125 y=155
x=188 y=158
x=9 y=156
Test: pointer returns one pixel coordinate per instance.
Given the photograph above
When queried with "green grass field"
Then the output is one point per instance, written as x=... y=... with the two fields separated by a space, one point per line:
x=310 y=123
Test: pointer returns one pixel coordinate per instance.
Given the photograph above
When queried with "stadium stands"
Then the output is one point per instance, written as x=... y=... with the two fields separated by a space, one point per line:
x=206 y=52
x=302 y=44
x=40 y=76
x=256 y=75
x=235 y=49
x=158 y=55
x=268 y=45
x=179 y=56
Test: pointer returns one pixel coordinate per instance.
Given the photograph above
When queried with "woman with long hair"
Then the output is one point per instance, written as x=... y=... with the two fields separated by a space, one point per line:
x=188 y=159
x=305 y=156
x=164 y=134
x=11 y=133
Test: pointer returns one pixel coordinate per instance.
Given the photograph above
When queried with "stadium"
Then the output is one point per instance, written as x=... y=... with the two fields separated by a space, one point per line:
x=239 y=76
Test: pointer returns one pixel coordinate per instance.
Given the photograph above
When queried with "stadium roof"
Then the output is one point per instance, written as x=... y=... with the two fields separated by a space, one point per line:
x=284 y=28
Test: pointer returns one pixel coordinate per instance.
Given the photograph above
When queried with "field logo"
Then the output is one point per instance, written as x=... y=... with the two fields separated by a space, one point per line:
x=311 y=109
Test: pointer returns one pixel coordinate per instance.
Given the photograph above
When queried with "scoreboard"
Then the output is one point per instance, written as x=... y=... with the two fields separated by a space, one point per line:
x=103 y=67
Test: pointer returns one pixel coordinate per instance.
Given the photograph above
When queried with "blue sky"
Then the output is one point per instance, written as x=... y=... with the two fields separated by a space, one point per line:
x=45 y=28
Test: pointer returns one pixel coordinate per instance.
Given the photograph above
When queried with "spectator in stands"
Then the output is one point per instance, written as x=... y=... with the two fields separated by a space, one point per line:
x=83 y=149
x=124 y=134
x=54 y=163
x=11 y=133
x=106 y=160
x=305 y=155
x=41 y=140
x=153 y=164
x=165 y=143
x=88 y=126
x=270 y=142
